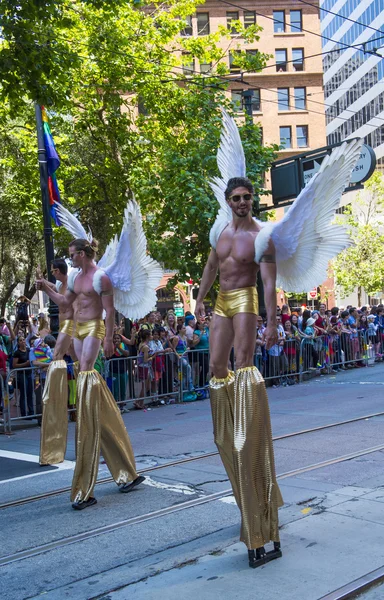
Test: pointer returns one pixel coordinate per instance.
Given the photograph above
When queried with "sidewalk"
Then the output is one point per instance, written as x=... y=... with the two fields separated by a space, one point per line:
x=327 y=542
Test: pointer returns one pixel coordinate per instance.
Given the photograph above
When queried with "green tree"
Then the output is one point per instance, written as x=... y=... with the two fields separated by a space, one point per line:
x=361 y=265
x=116 y=57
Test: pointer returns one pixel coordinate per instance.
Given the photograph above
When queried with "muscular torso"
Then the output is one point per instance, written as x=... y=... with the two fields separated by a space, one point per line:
x=88 y=302
x=236 y=253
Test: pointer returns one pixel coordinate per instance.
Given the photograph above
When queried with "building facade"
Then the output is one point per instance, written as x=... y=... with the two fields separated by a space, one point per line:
x=282 y=91
x=353 y=46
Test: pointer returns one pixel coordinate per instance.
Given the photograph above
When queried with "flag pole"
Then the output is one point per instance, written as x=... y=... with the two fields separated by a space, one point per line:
x=53 y=310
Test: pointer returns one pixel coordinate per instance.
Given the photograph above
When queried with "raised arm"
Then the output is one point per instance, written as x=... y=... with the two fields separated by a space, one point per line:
x=107 y=302
x=207 y=281
x=62 y=300
x=268 y=276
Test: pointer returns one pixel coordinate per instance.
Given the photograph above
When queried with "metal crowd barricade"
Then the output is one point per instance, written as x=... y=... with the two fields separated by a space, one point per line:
x=5 y=417
x=194 y=374
x=129 y=381
x=24 y=388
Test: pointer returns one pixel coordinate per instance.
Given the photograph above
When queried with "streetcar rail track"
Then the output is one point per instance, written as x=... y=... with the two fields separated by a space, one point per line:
x=50 y=494
x=57 y=544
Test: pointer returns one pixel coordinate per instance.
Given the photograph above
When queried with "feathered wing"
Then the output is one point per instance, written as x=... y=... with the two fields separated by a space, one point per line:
x=305 y=239
x=134 y=275
x=72 y=223
x=231 y=163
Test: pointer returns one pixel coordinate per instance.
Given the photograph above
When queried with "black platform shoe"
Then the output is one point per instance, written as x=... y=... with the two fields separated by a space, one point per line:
x=260 y=557
x=84 y=504
x=128 y=487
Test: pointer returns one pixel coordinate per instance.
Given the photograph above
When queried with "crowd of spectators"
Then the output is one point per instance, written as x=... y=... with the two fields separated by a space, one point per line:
x=161 y=355
x=323 y=340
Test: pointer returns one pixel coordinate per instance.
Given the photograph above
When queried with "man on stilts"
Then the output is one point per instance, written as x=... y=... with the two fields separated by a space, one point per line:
x=54 y=426
x=126 y=282
x=283 y=252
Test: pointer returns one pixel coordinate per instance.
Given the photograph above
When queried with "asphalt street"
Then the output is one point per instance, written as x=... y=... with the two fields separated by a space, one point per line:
x=332 y=522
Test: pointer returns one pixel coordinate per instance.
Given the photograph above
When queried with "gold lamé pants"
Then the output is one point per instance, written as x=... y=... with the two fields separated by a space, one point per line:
x=242 y=430
x=242 y=300
x=93 y=328
x=99 y=425
x=54 y=425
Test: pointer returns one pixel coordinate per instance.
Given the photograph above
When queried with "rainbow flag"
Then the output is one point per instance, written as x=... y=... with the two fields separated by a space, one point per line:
x=53 y=163
x=42 y=355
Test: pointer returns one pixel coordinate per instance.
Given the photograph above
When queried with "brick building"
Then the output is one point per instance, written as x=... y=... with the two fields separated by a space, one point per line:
x=283 y=91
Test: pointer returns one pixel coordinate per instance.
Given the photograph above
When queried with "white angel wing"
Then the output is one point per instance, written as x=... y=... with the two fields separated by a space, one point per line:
x=134 y=274
x=231 y=163
x=305 y=240
x=72 y=224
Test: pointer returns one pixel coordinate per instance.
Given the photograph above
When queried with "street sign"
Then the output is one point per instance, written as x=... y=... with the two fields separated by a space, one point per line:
x=365 y=165
x=290 y=175
x=312 y=294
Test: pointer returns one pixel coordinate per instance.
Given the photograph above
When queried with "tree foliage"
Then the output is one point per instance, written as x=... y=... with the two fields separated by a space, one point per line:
x=94 y=63
x=361 y=265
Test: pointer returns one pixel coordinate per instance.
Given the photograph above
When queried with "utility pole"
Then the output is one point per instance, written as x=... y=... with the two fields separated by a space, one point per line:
x=53 y=310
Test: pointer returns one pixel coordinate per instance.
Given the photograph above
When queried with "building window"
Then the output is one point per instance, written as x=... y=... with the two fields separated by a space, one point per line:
x=281 y=60
x=300 y=98
x=232 y=16
x=302 y=136
x=188 y=64
x=205 y=67
x=283 y=98
x=249 y=18
x=286 y=137
x=256 y=101
x=232 y=58
x=202 y=23
x=298 y=59
x=188 y=27
x=279 y=21
x=296 y=21
x=237 y=99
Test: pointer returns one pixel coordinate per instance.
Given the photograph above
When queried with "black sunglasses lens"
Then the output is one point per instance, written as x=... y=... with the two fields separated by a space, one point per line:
x=236 y=198
x=247 y=197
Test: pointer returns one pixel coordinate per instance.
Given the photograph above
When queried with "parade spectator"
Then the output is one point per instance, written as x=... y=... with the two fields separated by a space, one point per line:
x=118 y=370
x=291 y=350
x=150 y=322
x=170 y=323
x=24 y=379
x=158 y=363
x=180 y=346
x=346 y=339
x=311 y=355
x=260 y=345
x=200 y=343
x=44 y=328
x=303 y=323
x=190 y=325
x=144 y=368
x=167 y=378
x=4 y=327
x=285 y=316
x=276 y=355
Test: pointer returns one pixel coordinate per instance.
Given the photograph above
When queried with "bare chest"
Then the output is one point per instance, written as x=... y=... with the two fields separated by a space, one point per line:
x=84 y=286
x=238 y=246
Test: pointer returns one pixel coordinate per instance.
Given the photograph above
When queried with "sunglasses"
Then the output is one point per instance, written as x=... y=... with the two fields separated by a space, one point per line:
x=73 y=254
x=238 y=197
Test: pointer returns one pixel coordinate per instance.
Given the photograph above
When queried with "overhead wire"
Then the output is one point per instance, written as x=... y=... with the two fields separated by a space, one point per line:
x=341 y=16
x=346 y=46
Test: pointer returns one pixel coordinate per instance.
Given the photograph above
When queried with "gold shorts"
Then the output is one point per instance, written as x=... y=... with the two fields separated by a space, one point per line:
x=67 y=327
x=243 y=300
x=94 y=328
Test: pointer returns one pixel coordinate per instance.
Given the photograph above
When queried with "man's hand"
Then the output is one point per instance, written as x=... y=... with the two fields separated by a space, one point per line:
x=270 y=336
x=108 y=347
x=200 y=311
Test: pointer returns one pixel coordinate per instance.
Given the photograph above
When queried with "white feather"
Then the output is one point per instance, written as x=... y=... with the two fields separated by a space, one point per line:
x=305 y=239
x=231 y=163
x=72 y=224
x=134 y=275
